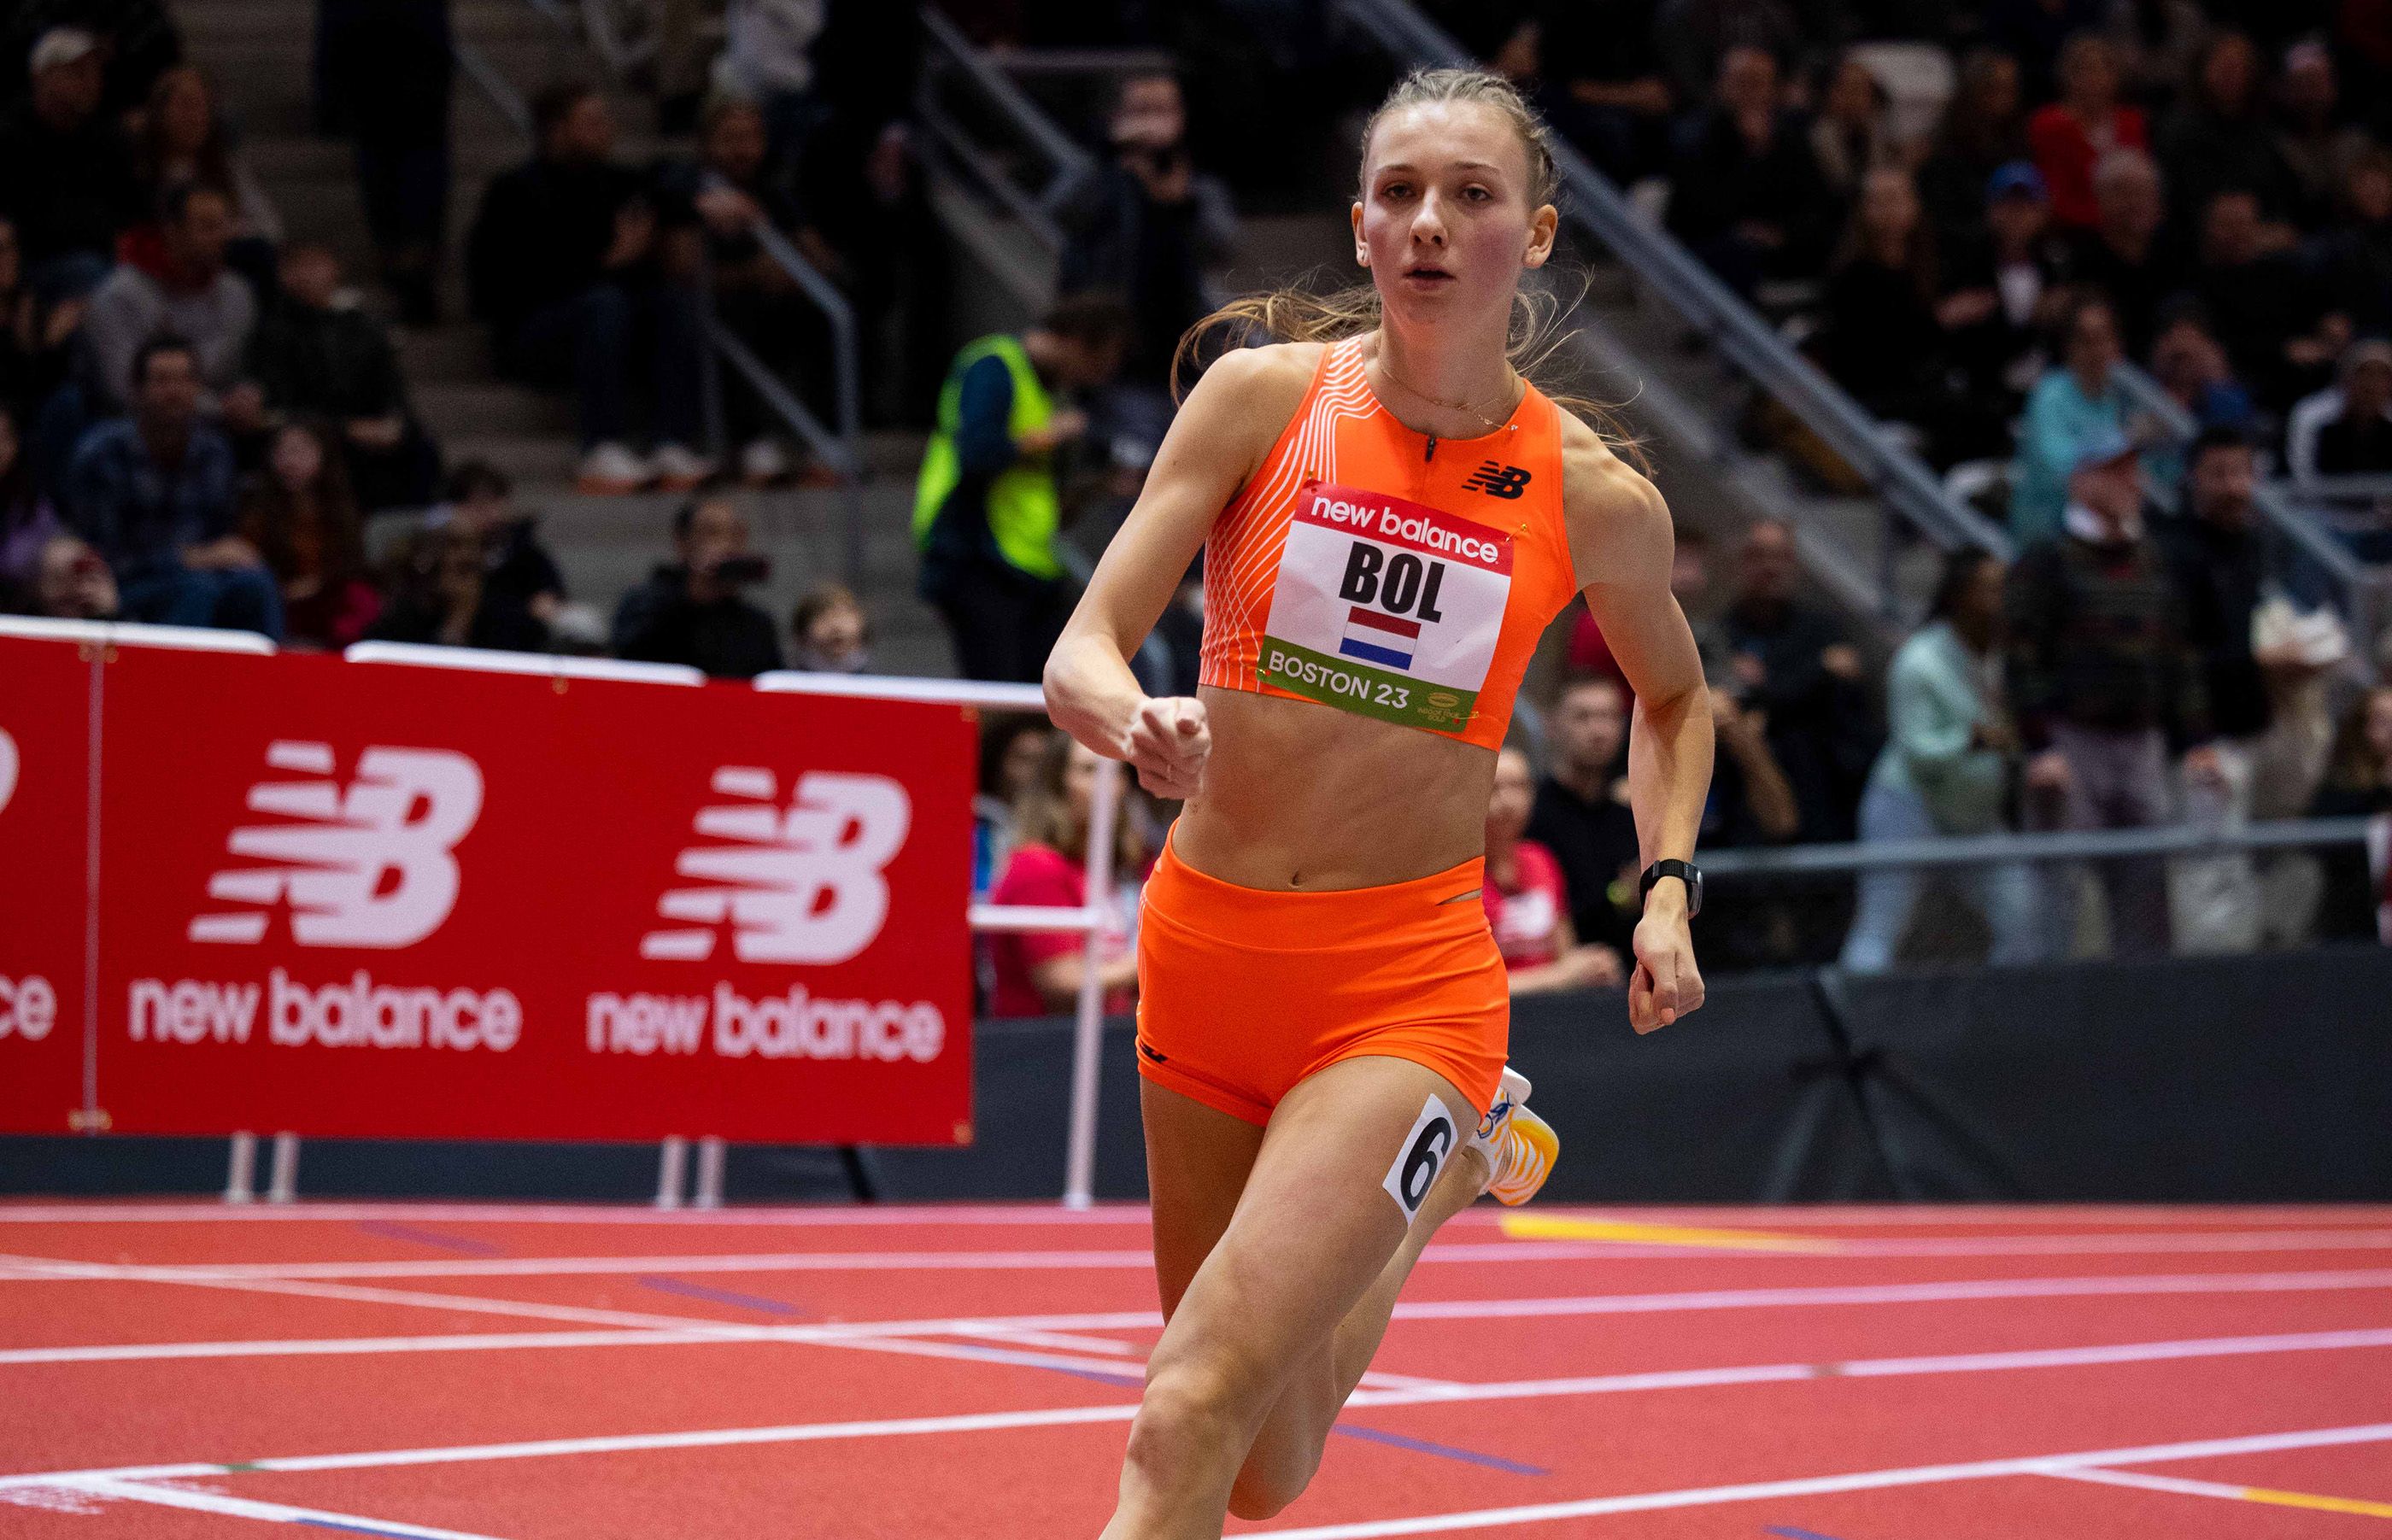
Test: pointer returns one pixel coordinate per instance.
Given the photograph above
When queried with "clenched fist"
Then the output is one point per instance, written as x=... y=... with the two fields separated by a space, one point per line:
x=1169 y=741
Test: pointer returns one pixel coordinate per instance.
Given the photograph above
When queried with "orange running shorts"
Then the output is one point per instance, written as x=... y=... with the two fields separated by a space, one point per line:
x=1244 y=991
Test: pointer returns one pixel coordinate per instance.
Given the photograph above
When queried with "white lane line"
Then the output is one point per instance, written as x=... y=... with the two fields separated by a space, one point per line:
x=2147 y=1482
x=1864 y=1481
x=1756 y=1374
x=566 y=1214
x=1055 y=1329
x=43 y=1268
x=246 y=1507
x=1028 y=1337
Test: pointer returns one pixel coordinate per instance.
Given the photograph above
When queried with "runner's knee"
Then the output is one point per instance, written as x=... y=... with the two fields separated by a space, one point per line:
x=1192 y=1411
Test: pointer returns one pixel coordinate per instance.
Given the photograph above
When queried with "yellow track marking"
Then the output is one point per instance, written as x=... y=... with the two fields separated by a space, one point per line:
x=2310 y=1499
x=1545 y=1227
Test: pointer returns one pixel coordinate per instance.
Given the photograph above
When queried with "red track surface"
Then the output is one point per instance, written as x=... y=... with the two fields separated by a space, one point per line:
x=535 y=1374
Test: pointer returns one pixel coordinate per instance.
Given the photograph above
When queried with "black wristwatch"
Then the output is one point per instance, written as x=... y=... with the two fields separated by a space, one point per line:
x=1686 y=871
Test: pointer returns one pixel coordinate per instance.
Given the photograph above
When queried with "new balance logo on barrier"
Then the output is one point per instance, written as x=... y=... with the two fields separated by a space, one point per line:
x=1497 y=481
x=7 y=768
x=800 y=884
x=365 y=865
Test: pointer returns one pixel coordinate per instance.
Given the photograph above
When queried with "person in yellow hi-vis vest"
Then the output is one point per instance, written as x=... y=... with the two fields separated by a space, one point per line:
x=987 y=507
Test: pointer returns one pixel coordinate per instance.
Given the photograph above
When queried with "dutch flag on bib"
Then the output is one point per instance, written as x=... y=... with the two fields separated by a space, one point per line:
x=1376 y=638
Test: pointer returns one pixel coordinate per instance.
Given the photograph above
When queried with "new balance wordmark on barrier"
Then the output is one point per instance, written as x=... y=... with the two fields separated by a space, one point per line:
x=368 y=864
x=799 y=884
x=1497 y=481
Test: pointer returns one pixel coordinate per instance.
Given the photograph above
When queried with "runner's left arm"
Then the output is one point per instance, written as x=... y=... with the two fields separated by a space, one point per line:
x=1220 y=435
x=1621 y=542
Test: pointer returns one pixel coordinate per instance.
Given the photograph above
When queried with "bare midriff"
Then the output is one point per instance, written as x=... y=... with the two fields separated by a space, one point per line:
x=1302 y=797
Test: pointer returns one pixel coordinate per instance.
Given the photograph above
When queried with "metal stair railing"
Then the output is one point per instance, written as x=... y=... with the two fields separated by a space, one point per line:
x=1597 y=207
x=948 y=56
x=840 y=447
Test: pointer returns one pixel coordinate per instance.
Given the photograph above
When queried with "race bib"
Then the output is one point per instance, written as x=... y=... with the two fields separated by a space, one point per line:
x=1386 y=607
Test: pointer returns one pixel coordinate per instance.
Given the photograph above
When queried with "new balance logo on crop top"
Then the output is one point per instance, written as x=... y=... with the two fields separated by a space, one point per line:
x=1386 y=607
x=1497 y=481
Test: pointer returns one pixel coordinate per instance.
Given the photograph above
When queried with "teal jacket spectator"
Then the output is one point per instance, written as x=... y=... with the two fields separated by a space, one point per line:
x=1940 y=704
x=2068 y=407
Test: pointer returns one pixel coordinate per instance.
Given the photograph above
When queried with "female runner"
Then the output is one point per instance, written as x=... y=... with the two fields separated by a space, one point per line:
x=1393 y=515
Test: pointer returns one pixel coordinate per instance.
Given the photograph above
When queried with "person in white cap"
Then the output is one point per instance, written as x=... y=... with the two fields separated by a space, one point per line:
x=65 y=171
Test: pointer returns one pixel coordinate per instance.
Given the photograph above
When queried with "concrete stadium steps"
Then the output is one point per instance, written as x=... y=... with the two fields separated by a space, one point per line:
x=260 y=55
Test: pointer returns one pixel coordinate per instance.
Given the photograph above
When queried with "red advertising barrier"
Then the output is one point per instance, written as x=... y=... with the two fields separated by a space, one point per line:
x=347 y=899
x=46 y=743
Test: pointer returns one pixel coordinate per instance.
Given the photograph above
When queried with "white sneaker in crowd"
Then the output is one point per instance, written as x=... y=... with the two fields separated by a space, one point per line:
x=762 y=461
x=678 y=468
x=610 y=469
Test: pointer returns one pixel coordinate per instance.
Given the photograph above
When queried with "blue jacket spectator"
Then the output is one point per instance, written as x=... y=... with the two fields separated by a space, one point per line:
x=2068 y=408
x=153 y=493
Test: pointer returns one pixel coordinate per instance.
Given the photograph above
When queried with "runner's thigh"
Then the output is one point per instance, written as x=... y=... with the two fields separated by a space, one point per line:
x=1197 y=1160
x=1318 y=1222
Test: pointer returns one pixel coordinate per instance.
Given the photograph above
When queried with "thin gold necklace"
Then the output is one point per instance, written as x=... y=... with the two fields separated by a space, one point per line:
x=1381 y=358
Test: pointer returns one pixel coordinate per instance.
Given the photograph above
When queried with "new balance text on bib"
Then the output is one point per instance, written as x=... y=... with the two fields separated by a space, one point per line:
x=1386 y=607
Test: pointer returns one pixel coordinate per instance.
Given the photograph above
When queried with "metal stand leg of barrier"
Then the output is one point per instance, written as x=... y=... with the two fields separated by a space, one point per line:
x=282 y=1185
x=1088 y=1042
x=708 y=1193
x=671 y=1158
x=240 y=1172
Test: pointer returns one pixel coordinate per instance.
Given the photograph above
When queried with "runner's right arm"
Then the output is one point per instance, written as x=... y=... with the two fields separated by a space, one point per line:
x=1222 y=435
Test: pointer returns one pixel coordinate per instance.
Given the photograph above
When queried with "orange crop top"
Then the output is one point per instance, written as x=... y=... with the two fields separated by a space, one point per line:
x=1384 y=572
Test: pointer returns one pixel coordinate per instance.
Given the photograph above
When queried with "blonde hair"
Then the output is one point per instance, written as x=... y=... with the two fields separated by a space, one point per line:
x=1300 y=313
x=1044 y=816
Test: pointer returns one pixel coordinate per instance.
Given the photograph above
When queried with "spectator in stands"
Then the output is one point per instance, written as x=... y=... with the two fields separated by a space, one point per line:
x=1528 y=903
x=1983 y=129
x=2354 y=258
x=1603 y=84
x=690 y=610
x=1750 y=803
x=2036 y=33
x=193 y=297
x=28 y=523
x=2106 y=683
x=829 y=632
x=987 y=507
x=2189 y=366
x=563 y=265
x=1888 y=336
x=72 y=582
x=136 y=38
x=2272 y=320
x=2357 y=439
x=768 y=48
x=516 y=569
x=1746 y=193
x=38 y=338
x=1146 y=224
x=2218 y=138
x=2005 y=293
x=153 y=493
x=1581 y=813
x=66 y=176
x=2357 y=899
x=2070 y=135
x=715 y=203
x=303 y=521
x=1038 y=972
x=1695 y=36
x=1944 y=771
x=183 y=143
x=1790 y=665
x=316 y=353
x=2124 y=257
x=1011 y=748
x=2077 y=403
x=1849 y=139
x=2315 y=145
x=384 y=75
x=442 y=596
